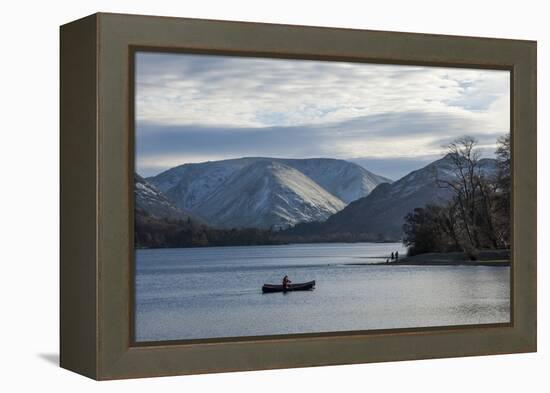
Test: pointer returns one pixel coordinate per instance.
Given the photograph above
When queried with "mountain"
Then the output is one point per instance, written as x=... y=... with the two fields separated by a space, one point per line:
x=160 y=224
x=269 y=194
x=345 y=180
x=266 y=192
x=380 y=215
x=152 y=202
x=190 y=184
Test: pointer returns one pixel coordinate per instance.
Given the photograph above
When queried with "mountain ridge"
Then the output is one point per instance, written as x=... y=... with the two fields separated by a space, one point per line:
x=380 y=215
x=275 y=196
x=333 y=184
x=151 y=201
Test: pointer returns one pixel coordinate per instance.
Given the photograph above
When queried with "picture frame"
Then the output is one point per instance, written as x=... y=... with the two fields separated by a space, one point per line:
x=96 y=171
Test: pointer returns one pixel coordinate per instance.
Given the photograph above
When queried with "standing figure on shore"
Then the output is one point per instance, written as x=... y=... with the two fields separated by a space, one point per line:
x=396 y=255
x=392 y=256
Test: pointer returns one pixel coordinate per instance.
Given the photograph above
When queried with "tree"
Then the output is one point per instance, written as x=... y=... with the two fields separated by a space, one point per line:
x=478 y=214
x=464 y=166
x=503 y=189
x=422 y=230
x=473 y=194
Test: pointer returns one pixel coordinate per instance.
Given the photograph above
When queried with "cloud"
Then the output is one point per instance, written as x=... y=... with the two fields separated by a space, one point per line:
x=388 y=135
x=193 y=108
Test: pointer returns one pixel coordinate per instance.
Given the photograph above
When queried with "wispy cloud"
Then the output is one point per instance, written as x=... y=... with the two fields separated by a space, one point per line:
x=193 y=108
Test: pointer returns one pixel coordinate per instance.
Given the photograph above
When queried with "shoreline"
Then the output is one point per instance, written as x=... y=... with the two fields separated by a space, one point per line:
x=485 y=258
x=268 y=244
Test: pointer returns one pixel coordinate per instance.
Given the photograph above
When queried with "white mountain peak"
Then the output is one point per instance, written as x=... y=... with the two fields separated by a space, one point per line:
x=266 y=192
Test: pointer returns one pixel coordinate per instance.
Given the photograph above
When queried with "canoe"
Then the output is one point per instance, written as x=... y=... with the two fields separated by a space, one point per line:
x=304 y=286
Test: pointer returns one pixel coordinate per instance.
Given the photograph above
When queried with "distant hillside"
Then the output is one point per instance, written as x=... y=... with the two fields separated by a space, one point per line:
x=380 y=215
x=159 y=224
x=151 y=201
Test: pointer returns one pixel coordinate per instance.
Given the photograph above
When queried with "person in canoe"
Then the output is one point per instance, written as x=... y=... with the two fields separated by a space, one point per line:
x=286 y=281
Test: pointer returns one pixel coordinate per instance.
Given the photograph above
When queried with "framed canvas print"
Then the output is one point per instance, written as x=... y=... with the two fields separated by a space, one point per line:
x=242 y=196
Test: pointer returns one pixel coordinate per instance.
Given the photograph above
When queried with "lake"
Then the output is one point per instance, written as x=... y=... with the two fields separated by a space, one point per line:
x=193 y=293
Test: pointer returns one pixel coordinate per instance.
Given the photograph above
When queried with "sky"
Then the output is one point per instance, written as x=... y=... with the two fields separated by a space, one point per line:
x=391 y=119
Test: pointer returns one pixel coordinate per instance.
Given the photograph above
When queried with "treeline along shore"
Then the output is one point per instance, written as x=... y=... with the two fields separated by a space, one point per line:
x=153 y=232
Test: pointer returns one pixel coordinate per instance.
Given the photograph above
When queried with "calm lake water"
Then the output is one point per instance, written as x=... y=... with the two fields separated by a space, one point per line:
x=192 y=293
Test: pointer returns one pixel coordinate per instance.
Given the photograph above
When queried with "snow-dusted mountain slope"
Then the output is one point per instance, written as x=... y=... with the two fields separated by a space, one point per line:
x=269 y=194
x=190 y=184
x=194 y=187
x=149 y=200
x=345 y=180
